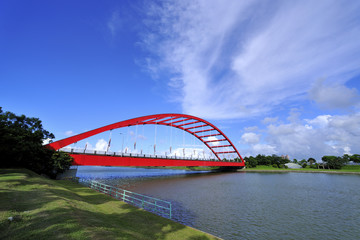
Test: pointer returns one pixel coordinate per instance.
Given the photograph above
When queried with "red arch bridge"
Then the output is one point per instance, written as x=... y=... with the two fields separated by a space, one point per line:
x=213 y=138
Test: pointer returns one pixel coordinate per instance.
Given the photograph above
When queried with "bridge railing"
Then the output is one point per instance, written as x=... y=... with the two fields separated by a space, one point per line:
x=120 y=154
x=155 y=205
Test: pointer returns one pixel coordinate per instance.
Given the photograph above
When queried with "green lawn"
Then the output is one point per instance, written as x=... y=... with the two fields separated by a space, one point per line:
x=351 y=168
x=49 y=209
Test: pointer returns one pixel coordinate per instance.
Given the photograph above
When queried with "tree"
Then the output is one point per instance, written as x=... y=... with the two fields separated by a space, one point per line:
x=311 y=161
x=355 y=158
x=60 y=162
x=21 y=145
x=237 y=159
x=251 y=162
x=346 y=157
x=334 y=162
x=263 y=160
x=302 y=162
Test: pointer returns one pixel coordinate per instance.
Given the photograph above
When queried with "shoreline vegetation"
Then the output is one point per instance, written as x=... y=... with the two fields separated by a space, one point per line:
x=349 y=169
x=35 y=207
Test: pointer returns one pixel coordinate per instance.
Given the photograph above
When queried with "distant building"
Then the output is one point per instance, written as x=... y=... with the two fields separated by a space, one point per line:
x=285 y=157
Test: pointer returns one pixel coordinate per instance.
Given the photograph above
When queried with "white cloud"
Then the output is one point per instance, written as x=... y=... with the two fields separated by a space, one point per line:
x=46 y=141
x=269 y=120
x=251 y=129
x=335 y=96
x=243 y=58
x=101 y=145
x=265 y=149
x=212 y=138
x=347 y=150
x=69 y=133
x=190 y=152
x=320 y=121
x=322 y=135
x=250 y=138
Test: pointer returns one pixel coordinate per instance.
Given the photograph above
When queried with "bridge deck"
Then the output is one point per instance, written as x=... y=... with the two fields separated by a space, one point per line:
x=128 y=161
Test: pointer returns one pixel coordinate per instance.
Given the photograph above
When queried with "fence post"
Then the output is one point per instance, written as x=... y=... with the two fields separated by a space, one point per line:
x=149 y=202
x=170 y=211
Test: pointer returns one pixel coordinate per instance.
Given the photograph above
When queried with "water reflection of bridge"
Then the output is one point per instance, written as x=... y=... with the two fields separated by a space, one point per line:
x=212 y=137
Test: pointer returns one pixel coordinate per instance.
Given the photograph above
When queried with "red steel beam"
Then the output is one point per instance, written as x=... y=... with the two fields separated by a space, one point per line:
x=217 y=140
x=98 y=160
x=196 y=127
x=221 y=146
x=211 y=135
x=151 y=119
x=183 y=120
x=206 y=130
x=169 y=119
x=187 y=123
x=225 y=152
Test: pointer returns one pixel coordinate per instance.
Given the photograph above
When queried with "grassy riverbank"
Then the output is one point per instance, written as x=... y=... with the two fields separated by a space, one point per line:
x=47 y=209
x=346 y=169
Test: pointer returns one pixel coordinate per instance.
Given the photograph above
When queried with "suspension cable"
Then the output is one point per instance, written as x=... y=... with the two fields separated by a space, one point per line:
x=108 y=147
x=136 y=136
x=183 y=140
x=155 y=140
x=170 y=134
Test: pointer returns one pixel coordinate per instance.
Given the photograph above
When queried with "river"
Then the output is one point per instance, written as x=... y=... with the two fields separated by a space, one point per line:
x=246 y=205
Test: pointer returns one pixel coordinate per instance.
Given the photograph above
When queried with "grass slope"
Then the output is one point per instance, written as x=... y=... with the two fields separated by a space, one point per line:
x=46 y=209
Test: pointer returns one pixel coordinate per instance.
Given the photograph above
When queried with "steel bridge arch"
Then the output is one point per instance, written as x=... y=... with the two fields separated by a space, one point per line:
x=219 y=146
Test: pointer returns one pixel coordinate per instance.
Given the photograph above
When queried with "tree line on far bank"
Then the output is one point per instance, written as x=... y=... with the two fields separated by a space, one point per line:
x=21 y=146
x=331 y=162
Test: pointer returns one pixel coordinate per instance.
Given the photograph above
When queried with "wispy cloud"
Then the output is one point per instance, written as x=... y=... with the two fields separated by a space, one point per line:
x=69 y=133
x=114 y=23
x=242 y=58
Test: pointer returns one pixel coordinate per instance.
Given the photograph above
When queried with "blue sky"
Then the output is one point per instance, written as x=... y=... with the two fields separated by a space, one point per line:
x=278 y=77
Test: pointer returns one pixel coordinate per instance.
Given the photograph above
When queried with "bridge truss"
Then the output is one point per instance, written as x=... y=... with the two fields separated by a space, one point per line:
x=207 y=133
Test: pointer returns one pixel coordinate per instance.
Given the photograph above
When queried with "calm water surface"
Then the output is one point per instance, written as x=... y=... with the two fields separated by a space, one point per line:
x=250 y=205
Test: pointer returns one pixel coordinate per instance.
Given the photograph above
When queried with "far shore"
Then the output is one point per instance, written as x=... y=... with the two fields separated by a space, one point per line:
x=263 y=169
x=347 y=169
x=298 y=171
